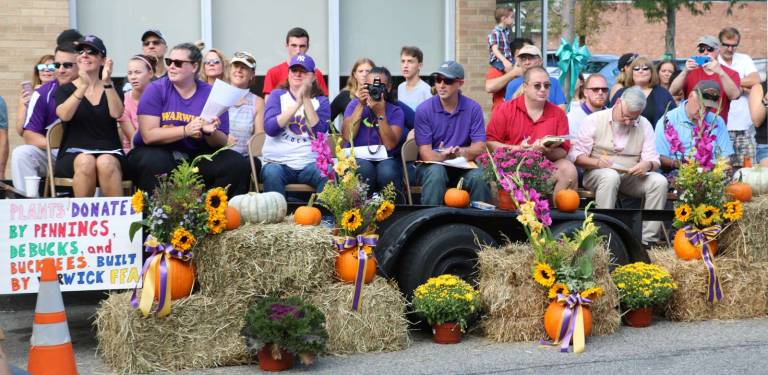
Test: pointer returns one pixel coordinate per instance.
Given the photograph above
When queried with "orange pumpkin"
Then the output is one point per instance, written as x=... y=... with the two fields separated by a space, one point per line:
x=567 y=200
x=740 y=191
x=347 y=265
x=553 y=315
x=308 y=215
x=232 y=216
x=456 y=197
x=685 y=250
x=181 y=278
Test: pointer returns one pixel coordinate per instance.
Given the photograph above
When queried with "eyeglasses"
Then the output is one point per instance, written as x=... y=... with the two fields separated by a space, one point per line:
x=703 y=48
x=88 y=51
x=598 y=89
x=154 y=42
x=66 y=65
x=46 y=67
x=176 y=63
x=641 y=69
x=212 y=62
x=726 y=45
x=626 y=118
x=538 y=85
x=440 y=79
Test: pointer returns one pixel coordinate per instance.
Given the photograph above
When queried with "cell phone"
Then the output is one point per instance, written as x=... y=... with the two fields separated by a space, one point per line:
x=701 y=60
x=26 y=86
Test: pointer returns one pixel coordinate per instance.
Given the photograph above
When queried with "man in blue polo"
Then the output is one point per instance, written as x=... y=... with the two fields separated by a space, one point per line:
x=704 y=98
x=528 y=57
x=448 y=126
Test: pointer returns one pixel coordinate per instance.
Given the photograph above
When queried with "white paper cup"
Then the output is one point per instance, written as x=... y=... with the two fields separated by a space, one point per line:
x=32 y=186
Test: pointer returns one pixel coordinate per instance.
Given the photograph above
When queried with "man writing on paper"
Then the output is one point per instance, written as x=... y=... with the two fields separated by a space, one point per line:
x=524 y=122
x=449 y=126
x=616 y=147
x=376 y=125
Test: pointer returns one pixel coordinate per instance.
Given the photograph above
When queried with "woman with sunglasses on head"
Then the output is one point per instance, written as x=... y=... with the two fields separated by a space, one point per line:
x=89 y=107
x=215 y=66
x=293 y=116
x=356 y=79
x=623 y=68
x=643 y=76
x=246 y=117
x=42 y=73
x=141 y=71
x=170 y=129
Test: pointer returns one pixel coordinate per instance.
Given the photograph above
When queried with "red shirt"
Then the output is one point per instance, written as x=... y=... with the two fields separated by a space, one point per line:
x=510 y=123
x=696 y=75
x=498 y=96
x=278 y=74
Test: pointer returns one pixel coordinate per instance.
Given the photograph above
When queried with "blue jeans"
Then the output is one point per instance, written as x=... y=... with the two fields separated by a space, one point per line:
x=762 y=153
x=377 y=174
x=434 y=179
x=276 y=176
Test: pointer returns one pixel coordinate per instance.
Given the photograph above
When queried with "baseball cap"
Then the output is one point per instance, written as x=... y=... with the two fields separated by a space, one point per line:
x=709 y=92
x=152 y=32
x=302 y=60
x=529 y=50
x=66 y=40
x=626 y=59
x=91 y=41
x=709 y=40
x=450 y=69
x=245 y=58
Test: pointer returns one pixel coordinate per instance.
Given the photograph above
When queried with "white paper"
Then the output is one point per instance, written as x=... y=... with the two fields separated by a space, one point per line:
x=372 y=153
x=223 y=96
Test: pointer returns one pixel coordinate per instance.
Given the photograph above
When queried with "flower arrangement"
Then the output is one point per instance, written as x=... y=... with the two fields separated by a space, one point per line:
x=643 y=285
x=531 y=166
x=446 y=299
x=286 y=324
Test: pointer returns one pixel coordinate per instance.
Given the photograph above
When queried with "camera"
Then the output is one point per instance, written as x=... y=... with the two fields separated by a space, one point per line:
x=376 y=90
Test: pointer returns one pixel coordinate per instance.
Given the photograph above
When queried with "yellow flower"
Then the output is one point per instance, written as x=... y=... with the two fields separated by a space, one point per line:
x=647 y=293
x=151 y=241
x=340 y=167
x=216 y=200
x=621 y=285
x=544 y=275
x=385 y=210
x=683 y=212
x=469 y=296
x=593 y=293
x=182 y=240
x=137 y=201
x=707 y=214
x=558 y=289
x=733 y=210
x=216 y=223
x=352 y=220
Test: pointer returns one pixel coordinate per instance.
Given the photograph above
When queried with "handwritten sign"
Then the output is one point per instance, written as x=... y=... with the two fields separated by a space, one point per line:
x=88 y=237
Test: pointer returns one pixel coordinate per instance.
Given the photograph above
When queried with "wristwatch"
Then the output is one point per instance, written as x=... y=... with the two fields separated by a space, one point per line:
x=108 y=86
x=381 y=118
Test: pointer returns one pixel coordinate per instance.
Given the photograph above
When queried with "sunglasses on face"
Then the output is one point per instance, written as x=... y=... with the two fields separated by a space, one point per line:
x=176 y=63
x=641 y=69
x=538 y=85
x=66 y=65
x=447 y=81
x=598 y=89
x=709 y=96
x=155 y=42
x=706 y=48
x=212 y=62
x=726 y=45
x=46 y=67
x=88 y=51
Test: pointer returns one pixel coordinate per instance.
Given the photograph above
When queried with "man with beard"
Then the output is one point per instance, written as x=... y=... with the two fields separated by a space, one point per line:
x=595 y=97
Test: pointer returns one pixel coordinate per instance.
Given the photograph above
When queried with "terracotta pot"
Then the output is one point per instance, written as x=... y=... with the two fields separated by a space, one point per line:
x=269 y=363
x=639 y=317
x=446 y=333
x=505 y=201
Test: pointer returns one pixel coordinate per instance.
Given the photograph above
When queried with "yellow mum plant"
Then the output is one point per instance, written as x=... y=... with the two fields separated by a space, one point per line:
x=643 y=285
x=446 y=299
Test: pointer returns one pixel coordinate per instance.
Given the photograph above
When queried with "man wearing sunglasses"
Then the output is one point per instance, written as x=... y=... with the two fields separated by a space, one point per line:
x=704 y=65
x=595 y=99
x=739 y=120
x=449 y=125
x=30 y=159
x=703 y=99
x=528 y=57
x=153 y=44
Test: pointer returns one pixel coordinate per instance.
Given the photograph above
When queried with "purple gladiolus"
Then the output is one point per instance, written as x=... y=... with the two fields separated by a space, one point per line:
x=673 y=139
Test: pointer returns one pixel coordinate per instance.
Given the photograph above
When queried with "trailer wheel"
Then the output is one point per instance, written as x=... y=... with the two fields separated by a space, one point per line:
x=615 y=244
x=449 y=248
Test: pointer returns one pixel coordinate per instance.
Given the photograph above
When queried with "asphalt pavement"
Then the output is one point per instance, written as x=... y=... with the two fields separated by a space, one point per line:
x=710 y=347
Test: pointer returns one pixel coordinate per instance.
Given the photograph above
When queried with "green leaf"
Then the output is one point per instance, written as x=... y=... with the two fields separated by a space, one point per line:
x=135 y=226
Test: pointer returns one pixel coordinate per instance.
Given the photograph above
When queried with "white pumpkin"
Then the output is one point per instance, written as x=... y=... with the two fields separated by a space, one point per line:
x=755 y=177
x=260 y=207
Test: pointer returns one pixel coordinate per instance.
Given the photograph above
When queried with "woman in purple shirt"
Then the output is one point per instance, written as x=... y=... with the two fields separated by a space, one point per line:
x=376 y=124
x=170 y=129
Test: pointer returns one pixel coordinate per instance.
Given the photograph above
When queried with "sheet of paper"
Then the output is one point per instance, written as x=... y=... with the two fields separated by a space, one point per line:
x=373 y=153
x=460 y=162
x=223 y=96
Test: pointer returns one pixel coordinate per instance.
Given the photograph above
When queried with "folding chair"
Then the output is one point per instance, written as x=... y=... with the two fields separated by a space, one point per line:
x=255 y=146
x=408 y=153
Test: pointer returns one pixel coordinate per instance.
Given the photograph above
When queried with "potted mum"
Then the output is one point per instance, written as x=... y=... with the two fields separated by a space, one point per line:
x=533 y=168
x=446 y=301
x=277 y=329
x=642 y=286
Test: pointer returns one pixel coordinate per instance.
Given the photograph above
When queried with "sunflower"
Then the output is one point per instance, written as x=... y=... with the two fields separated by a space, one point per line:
x=733 y=210
x=216 y=223
x=707 y=214
x=137 y=201
x=182 y=240
x=351 y=220
x=558 y=289
x=593 y=293
x=216 y=200
x=385 y=210
x=683 y=212
x=544 y=275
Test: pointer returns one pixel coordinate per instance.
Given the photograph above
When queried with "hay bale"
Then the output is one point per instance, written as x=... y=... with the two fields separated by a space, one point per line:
x=515 y=304
x=380 y=326
x=744 y=285
x=201 y=332
x=265 y=259
x=747 y=238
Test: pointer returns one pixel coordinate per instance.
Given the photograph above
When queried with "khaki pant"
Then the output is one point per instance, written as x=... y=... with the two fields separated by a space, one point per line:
x=606 y=183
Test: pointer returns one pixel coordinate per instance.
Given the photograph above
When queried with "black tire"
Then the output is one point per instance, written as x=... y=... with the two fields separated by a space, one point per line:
x=616 y=246
x=450 y=248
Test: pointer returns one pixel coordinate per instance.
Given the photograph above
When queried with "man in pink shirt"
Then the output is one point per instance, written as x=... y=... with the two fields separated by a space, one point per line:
x=296 y=42
x=617 y=149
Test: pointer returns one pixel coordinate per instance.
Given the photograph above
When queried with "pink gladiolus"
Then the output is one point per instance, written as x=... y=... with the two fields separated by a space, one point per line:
x=670 y=134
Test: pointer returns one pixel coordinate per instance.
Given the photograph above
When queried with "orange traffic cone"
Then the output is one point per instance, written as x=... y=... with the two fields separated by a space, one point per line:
x=50 y=351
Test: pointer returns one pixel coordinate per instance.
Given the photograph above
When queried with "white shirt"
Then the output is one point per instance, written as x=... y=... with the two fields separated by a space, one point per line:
x=738 y=116
x=292 y=146
x=415 y=96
